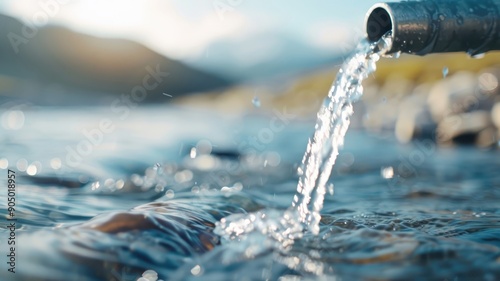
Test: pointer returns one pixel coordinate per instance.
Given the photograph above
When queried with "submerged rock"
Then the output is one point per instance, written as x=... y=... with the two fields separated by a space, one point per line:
x=464 y=128
x=121 y=245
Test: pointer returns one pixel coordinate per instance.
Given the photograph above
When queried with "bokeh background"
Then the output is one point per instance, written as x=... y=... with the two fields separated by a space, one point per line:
x=235 y=57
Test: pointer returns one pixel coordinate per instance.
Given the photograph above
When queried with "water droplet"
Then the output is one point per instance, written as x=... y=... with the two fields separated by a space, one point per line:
x=442 y=17
x=150 y=275
x=119 y=184
x=387 y=172
x=478 y=56
x=22 y=164
x=395 y=55
x=159 y=188
x=488 y=82
x=183 y=176
x=445 y=71
x=256 y=101
x=34 y=168
x=55 y=163
x=460 y=20
x=472 y=54
x=331 y=189
x=170 y=194
x=13 y=120
x=4 y=163
x=192 y=153
x=196 y=270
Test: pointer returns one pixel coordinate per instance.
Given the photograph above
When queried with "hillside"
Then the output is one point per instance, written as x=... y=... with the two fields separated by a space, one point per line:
x=56 y=57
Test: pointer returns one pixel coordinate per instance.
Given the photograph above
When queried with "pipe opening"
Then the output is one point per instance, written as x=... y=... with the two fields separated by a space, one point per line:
x=379 y=23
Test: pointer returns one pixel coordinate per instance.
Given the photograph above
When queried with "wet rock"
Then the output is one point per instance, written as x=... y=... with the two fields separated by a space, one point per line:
x=463 y=128
x=495 y=115
x=451 y=96
x=487 y=138
x=414 y=119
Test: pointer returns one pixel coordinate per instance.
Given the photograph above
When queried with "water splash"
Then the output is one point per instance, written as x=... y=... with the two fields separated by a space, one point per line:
x=333 y=120
x=445 y=72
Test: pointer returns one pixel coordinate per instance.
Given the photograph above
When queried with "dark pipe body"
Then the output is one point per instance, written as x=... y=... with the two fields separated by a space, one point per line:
x=437 y=26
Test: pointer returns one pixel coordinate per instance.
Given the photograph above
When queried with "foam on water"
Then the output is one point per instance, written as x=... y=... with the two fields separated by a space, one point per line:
x=333 y=120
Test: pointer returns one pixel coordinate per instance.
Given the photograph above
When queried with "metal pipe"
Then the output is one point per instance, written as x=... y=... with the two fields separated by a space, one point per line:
x=437 y=26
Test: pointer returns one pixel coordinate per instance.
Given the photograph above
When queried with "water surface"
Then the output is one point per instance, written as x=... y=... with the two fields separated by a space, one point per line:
x=143 y=199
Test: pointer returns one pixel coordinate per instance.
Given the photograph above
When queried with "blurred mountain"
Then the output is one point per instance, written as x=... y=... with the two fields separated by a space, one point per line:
x=263 y=56
x=52 y=65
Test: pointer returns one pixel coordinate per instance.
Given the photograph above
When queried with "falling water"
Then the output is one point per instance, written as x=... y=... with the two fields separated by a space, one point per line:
x=333 y=120
x=331 y=127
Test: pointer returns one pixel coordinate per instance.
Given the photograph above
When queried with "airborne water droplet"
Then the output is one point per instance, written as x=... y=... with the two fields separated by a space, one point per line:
x=445 y=71
x=387 y=172
x=473 y=54
x=331 y=189
x=395 y=55
x=478 y=56
x=256 y=101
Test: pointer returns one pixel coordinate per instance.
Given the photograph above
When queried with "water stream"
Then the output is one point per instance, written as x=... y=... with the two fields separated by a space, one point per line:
x=333 y=120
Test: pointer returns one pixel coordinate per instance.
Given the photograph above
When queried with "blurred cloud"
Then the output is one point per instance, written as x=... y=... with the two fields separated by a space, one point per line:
x=335 y=36
x=161 y=25
x=183 y=29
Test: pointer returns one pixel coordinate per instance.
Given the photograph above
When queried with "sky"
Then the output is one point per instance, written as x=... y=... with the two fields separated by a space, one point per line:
x=183 y=29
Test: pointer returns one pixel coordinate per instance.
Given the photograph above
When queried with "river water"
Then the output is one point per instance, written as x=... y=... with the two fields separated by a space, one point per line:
x=398 y=212
x=183 y=194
